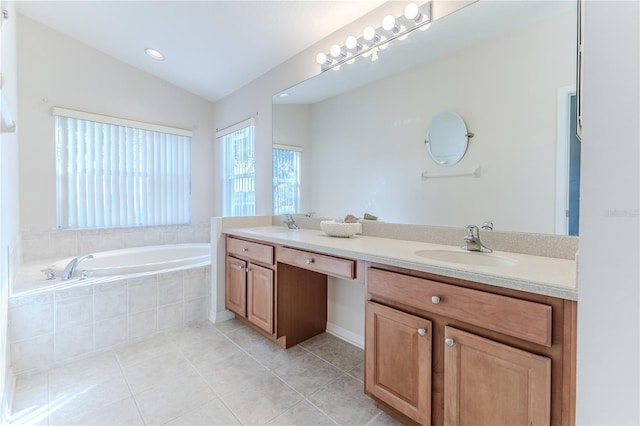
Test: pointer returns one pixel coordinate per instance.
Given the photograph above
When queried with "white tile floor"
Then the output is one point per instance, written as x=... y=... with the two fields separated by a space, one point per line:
x=204 y=375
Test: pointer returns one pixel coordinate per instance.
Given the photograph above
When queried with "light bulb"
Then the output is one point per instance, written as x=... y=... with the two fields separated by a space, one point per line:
x=321 y=58
x=412 y=12
x=369 y=33
x=366 y=51
x=389 y=23
x=351 y=42
x=335 y=51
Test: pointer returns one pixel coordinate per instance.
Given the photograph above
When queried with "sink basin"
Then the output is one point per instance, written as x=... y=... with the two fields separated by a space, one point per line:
x=462 y=257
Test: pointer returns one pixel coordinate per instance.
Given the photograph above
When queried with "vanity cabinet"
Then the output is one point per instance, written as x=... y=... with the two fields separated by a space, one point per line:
x=398 y=355
x=496 y=356
x=281 y=291
x=489 y=383
x=249 y=287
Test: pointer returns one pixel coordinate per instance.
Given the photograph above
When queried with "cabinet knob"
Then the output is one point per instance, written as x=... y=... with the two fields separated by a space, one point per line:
x=435 y=300
x=449 y=341
x=422 y=331
x=247 y=269
x=309 y=261
x=245 y=249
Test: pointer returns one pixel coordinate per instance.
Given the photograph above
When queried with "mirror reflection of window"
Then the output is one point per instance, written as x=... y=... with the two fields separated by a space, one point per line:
x=286 y=179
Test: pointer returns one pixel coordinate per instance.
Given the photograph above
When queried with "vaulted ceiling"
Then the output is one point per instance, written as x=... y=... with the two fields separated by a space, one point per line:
x=211 y=48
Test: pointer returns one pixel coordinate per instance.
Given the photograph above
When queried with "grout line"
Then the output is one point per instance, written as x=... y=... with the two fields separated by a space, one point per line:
x=124 y=376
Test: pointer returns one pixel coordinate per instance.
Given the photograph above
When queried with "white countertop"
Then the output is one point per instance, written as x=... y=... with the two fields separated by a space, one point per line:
x=535 y=274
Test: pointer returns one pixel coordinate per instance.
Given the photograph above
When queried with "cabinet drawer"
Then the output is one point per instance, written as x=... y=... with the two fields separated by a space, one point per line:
x=514 y=317
x=251 y=251
x=329 y=265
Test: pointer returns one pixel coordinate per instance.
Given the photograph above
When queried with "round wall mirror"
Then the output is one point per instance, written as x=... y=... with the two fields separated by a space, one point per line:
x=447 y=138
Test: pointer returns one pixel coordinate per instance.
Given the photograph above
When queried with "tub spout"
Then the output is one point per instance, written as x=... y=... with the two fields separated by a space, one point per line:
x=71 y=267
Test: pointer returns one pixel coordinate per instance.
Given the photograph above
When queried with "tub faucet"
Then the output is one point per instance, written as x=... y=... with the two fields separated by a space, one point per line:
x=71 y=267
x=472 y=240
x=290 y=222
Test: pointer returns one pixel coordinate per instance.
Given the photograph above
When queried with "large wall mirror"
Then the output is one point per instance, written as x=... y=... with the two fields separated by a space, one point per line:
x=507 y=67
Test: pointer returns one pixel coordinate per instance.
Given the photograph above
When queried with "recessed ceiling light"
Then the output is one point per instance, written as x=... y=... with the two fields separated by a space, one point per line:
x=154 y=54
x=283 y=95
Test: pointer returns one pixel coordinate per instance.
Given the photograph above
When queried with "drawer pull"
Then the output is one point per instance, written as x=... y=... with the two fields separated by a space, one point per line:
x=244 y=249
x=422 y=331
x=435 y=300
x=449 y=341
x=309 y=261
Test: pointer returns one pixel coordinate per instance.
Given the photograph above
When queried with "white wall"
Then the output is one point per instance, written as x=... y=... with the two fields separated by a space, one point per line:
x=56 y=70
x=608 y=275
x=9 y=213
x=368 y=151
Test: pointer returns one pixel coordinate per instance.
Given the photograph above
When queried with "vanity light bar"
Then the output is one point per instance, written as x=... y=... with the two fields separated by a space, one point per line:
x=372 y=39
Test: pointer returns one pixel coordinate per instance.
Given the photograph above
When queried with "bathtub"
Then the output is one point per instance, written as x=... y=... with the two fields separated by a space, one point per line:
x=111 y=265
x=117 y=297
x=139 y=259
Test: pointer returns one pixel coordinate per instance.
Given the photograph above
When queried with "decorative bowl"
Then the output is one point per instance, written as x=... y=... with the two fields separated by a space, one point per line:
x=340 y=229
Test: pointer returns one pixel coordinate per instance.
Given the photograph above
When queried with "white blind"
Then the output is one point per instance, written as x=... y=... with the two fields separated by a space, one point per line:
x=110 y=175
x=286 y=179
x=239 y=157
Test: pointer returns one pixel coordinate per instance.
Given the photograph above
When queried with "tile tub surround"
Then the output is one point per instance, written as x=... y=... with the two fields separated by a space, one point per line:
x=206 y=374
x=52 y=327
x=54 y=243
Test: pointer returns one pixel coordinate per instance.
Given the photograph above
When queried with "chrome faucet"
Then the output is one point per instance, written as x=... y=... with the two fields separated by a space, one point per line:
x=472 y=240
x=290 y=222
x=71 y=267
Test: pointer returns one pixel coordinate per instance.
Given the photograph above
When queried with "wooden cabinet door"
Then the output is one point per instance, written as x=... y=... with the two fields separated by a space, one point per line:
x=260 y=294
x=236 y=286
x=398 y=360
x=489 y=383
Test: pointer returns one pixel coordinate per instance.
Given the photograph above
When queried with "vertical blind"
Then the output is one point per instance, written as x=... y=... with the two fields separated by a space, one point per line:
x=112 y=175
x=239 y=167
x=286 y=179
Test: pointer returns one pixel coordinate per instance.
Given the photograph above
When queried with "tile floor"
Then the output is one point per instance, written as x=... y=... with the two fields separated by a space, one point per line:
x=204 y=375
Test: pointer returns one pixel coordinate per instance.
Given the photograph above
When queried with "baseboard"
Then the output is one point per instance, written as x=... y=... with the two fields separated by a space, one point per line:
x=346 y=335
x=7 y=398
x=216 y=317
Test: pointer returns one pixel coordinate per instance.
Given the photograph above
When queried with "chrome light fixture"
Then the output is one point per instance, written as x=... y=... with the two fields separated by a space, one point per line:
x=374 y=39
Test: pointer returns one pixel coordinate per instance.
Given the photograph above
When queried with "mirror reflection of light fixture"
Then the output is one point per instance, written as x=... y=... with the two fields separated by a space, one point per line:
x=394 y=28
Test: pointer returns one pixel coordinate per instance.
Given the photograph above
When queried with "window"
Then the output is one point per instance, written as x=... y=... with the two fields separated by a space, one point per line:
x=238 y=142
x=119 y=173
x=286 y=179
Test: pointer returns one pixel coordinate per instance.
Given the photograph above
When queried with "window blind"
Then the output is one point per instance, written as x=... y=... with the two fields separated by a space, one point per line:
x=109 y=175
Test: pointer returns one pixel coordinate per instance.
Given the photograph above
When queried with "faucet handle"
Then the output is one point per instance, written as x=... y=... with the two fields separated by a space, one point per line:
x=48 y=272
x=487 y=226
